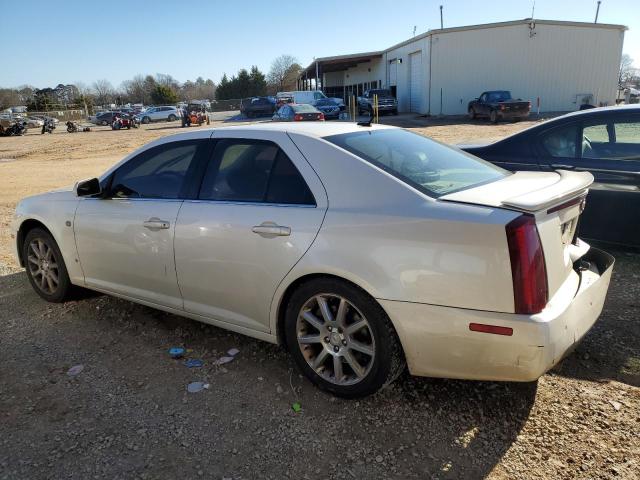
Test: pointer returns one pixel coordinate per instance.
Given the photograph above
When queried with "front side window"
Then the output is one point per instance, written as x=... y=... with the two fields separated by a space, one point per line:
x=561 y=142
x=253 y=171
x=425 y=164
x=159 y=172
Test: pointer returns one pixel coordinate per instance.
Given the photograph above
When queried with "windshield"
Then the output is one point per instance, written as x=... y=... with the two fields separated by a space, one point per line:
x=499 y=96
x=429 y=166
x=325 y=102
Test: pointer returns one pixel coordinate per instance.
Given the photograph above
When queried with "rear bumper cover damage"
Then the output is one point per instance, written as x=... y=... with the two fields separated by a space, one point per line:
x=438 y=343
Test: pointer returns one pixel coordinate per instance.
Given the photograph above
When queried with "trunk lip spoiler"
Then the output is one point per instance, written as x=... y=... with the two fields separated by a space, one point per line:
x=550 y=195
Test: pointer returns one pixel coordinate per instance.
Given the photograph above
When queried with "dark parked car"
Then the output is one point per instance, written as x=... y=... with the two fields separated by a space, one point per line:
x=328 y=107
x=257 y=106
x=298 y=112
x=105 y=118
x=498 y=105
x=386 y=101
x=604 y=141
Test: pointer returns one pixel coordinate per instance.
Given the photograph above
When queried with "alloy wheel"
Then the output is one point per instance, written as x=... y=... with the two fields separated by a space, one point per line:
x=43 y=266
x=335 y=339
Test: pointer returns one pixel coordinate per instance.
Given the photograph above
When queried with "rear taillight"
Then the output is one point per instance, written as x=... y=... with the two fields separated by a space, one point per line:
x=530 y=289
x=501 y=107
x=320 y=116
x=297 y=117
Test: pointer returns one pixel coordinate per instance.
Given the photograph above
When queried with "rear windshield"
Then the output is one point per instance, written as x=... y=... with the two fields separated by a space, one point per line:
x=429 y=166
x=303 y=108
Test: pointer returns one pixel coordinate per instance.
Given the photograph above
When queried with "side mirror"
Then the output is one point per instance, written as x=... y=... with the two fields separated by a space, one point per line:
x=88 y=188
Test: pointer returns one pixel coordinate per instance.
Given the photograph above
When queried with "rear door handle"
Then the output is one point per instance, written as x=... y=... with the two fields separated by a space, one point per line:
x=156 y=224
x=270 y=229
x=562 y=166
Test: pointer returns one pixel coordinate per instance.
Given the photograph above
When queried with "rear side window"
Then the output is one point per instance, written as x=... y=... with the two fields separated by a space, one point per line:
x=159 y=172
x=561 y=142
x=253 y=171
x=425 y=164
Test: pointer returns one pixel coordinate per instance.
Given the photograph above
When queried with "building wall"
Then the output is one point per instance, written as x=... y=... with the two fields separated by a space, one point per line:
x=554 y=62
x=403 y=73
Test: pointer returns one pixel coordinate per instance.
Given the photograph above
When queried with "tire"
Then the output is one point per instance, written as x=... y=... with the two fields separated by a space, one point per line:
x=172 y=118
x=394 y=112
x=104 y=123
x=323 y=350
x=471 y=113
x=493 y=116
x=146 y=120
x=45 y=250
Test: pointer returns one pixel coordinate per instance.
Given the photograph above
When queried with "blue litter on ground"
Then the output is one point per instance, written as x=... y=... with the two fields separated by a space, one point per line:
x=193 y=363
x=176 y=352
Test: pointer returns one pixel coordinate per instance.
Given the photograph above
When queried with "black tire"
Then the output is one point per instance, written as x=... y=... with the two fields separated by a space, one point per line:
x=472 y=113
x=394 y=112
x=146 y=120
x=493 y=116
x=63 y=287
x=388 y=360
x=172 y=118
x=104 y=123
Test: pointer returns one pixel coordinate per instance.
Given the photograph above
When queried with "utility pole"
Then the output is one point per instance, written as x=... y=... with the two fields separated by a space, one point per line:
x=441 y=24
x=597 y=12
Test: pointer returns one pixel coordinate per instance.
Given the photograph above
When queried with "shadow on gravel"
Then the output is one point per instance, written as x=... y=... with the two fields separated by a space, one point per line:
x=611 y=349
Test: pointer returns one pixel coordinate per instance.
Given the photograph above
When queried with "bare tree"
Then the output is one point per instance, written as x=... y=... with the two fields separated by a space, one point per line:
x=136 y=89
x=284 y=71
x=626 y=71
x=103 y=91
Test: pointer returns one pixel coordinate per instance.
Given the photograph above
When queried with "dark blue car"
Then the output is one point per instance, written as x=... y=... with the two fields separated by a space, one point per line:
x=603 y=141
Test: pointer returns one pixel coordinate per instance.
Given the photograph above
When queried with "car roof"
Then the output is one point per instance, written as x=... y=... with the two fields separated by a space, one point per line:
x=632 y=108
x=312 y=129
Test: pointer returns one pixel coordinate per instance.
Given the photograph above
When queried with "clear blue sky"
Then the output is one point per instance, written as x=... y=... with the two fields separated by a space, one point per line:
x=77 y=41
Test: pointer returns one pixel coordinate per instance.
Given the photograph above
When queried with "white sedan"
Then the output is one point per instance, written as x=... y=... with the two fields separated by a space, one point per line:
x=361 y=248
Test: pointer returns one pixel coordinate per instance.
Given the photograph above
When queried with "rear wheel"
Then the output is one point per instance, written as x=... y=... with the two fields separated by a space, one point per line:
x=45 y=266
x=172 y=118
x=341 y=338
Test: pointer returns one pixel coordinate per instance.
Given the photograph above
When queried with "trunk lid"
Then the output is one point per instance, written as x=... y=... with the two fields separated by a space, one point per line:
x=555 y=200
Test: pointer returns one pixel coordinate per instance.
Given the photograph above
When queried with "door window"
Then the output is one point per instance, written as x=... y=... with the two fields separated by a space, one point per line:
x=159 y=172
x=561 y=142
x=254 y=171
x=613 y=140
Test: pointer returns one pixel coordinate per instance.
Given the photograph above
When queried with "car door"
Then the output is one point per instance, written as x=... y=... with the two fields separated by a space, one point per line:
x=259 y=209
x=609 y=148
x=482 y=107
x=125 y=239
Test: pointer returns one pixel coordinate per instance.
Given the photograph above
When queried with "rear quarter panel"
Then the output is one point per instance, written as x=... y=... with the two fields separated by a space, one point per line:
x=398 y=244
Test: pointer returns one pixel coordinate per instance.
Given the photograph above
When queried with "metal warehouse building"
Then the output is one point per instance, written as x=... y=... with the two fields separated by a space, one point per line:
x=563 y=64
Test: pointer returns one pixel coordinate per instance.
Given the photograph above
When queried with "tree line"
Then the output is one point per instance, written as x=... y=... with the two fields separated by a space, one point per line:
x=157 y=89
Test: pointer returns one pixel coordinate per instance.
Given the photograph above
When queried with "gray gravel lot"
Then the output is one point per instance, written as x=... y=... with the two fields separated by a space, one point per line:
x=128 y=414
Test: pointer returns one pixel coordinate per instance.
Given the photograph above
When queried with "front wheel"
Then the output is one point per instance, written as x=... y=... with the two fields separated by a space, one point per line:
x=493 y=116
x=45 y=266
x=342 y=339
x=471 y=113
x=146 y=120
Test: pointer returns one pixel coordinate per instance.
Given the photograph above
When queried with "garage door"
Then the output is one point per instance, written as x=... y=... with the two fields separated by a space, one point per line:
x=393 y=72
x=415 y=86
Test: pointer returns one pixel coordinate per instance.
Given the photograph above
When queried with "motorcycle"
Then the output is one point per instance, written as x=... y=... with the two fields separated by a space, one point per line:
x=19 y=127
x=48 y=126
x=73 y=127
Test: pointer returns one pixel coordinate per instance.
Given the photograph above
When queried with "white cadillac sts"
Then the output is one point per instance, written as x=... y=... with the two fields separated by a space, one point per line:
x=360 y=248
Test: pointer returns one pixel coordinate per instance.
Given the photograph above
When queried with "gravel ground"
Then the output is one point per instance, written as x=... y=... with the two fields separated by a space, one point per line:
x=128 y=414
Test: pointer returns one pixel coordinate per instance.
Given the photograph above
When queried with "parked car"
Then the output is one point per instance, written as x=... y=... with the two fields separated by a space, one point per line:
x=293 y=112
x=328 y=108
x=498 y=105
x=33 y=122
x=386 y=101
x=257 y=106
x=159 y=114
x=360 y=248
x=103 y=118
x=603 y=141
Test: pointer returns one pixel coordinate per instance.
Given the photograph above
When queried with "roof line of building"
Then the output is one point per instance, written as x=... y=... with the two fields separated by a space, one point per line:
x=463 y=28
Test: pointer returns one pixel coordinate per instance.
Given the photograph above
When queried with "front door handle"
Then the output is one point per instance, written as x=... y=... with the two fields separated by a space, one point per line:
x=562 y=166
x=270 y=229
x=156 y=224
